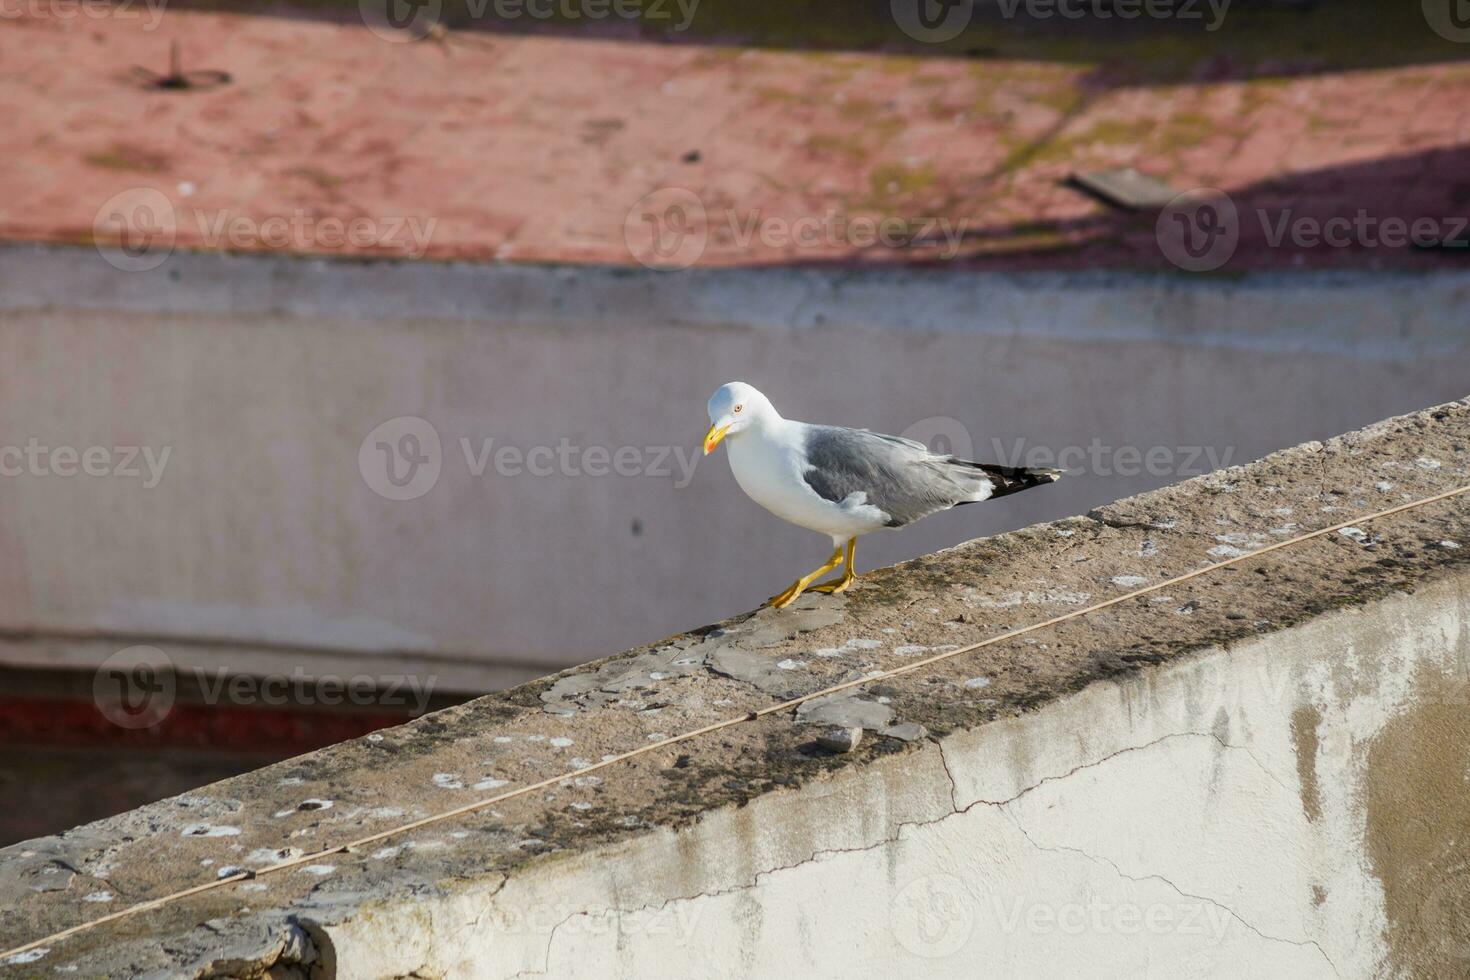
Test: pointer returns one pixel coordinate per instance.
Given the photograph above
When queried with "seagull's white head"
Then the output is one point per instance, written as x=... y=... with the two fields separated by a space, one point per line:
x=732 y=408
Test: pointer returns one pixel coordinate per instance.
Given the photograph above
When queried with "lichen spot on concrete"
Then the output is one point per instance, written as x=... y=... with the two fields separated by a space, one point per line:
x=1304 y=723
x=1418 y=775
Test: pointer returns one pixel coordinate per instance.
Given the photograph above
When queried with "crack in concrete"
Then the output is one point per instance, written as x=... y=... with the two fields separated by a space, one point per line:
x=955 y=810
x=1003 y=806
x=1124 y=751
x=731 y=890
x=489 y=903
x=954 y=800
x=1099 y=859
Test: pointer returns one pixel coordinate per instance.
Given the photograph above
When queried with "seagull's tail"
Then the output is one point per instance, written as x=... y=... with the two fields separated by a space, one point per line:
x=1011 y=479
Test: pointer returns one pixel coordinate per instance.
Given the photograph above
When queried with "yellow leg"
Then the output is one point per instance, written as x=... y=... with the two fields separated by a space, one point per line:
x=848 y=573
x=785 y=599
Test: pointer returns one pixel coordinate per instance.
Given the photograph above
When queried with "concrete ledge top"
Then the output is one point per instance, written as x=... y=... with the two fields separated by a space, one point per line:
x=559 y=724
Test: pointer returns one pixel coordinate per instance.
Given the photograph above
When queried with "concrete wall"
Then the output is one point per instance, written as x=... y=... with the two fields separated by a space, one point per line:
x=1259 y=772
x=262 y=545
x=1292 y=809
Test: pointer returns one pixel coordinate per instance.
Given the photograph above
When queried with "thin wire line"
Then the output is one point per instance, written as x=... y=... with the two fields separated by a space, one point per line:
x=361 y=842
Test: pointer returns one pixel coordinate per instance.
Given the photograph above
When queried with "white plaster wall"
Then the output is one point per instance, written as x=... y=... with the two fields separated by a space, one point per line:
x=1157 y=827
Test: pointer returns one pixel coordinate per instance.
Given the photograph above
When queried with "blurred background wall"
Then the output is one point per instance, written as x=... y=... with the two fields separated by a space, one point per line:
x=271 y=540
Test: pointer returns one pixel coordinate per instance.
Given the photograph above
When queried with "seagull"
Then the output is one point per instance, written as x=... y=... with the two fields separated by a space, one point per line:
x=844 y=482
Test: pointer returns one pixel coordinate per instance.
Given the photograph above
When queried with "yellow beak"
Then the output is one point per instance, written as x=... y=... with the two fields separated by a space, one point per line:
x=713 y=436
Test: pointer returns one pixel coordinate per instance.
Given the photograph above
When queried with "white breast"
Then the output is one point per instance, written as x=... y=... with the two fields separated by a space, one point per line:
x=768 y=464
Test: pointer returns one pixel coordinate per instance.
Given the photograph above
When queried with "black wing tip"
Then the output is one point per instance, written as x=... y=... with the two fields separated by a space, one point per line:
x=1014 y=479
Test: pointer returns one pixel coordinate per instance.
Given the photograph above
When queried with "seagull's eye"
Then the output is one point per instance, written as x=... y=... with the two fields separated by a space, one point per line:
x=738 y=408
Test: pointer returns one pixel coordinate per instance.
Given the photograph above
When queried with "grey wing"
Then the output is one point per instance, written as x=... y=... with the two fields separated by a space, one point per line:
x=900 y=477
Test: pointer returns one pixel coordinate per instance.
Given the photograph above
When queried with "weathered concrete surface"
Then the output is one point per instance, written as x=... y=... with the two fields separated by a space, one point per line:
x=263 y=377
x=1263 y=769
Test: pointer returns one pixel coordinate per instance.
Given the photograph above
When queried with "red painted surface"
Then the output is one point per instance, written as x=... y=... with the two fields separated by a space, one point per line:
x=277 y=732
x=541 y=149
